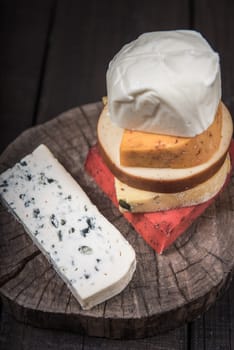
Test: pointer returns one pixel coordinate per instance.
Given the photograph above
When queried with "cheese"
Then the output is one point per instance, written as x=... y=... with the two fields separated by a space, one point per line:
x=87 y=251
x=158 y=229
x=160 y=179
x=140 y=201
x=165 y=82
x=151 y=150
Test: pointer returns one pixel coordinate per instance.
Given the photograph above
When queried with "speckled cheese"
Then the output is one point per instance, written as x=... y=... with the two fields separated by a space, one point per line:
x=88 y=252
x=140 y=201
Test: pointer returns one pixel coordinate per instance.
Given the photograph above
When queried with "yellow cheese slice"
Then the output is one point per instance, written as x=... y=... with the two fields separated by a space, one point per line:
x=159 y=179
x=150 y=150
x=135 y=200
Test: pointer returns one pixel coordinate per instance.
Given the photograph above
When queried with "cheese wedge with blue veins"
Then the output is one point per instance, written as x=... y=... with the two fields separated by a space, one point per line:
x=87 y=251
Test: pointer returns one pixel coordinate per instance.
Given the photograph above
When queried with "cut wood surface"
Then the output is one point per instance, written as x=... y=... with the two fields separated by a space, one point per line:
x=166 y=291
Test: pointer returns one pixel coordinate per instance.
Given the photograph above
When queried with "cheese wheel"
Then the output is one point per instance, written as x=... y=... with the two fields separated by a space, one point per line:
x=140 y=201
x=160 y=179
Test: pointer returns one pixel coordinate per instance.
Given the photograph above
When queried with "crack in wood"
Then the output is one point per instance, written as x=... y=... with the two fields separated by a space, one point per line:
x=68 y=302
x=193 y=263
x=182 y=293
x=60 y=293
x=62 y=150
x=144 y=301
x=30 y=283
x=31 y=244
x=122 y=303
x=200 y=280
x=157 y=280
x=145 y=285
x=217 y=257
x=103 y=317
x=63 y=287
x=182 y=255
x=44 y=289
x=104 y=309
x=18 y=283
x=87 y=119
x=186 y=238
x=47 y=135
x=202 y=248
x=189 y=263
x=84 y=134
x=5 y=224
x=208 y=274
x=19 y=269
x=17 y=236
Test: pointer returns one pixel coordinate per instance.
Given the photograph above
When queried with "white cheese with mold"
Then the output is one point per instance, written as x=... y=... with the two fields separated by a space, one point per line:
x=88 y=252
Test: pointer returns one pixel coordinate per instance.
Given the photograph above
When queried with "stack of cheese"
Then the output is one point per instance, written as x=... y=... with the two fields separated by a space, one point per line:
x=165 y=134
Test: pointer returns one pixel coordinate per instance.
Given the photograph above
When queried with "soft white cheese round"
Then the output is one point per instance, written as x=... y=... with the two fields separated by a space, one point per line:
x=165 y=82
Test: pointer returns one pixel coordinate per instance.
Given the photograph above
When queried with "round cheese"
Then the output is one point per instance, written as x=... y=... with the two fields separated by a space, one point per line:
x=165 y=82
x=160 y=179
x=140 y=201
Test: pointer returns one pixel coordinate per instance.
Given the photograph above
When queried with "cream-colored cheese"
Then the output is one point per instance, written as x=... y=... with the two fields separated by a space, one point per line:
x=159 y=179
x=165 y=82
x=140 y=201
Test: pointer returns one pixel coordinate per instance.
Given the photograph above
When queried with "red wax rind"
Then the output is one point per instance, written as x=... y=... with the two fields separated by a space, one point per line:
x=159 y=229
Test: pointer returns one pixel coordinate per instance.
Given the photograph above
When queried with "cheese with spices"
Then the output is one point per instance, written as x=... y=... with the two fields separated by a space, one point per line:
x=140 y=201
x=150 y=150
x=160 y=179
x=87 y=251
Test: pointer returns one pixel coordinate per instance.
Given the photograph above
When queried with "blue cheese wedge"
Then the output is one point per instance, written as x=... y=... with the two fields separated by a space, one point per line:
x=87 y=251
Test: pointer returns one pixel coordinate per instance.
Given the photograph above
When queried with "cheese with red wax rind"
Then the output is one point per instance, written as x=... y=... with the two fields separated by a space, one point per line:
x=158 y=229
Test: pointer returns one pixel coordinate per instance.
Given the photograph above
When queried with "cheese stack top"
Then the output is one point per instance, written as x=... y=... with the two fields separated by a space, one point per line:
x=165 y=82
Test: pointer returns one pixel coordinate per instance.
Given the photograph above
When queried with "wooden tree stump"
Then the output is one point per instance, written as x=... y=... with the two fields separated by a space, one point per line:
x=166 y=291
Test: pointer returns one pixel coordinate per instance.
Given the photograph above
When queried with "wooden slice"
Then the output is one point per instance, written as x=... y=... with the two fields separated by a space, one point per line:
x=166 y=291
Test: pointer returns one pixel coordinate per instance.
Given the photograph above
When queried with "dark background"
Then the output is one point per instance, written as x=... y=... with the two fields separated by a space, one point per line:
x=54 y=56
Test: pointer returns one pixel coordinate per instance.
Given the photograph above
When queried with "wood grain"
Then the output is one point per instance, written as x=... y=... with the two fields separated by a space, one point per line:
x=27 y=337
x=166 y=291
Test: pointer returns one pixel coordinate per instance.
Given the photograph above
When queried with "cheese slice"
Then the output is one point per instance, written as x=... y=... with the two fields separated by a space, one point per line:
x=87 y=251
x=160 y=179
x=140 y=201
x=142 y=149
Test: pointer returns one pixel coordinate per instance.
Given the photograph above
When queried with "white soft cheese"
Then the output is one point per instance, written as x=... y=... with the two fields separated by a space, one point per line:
x=87 y=251
x=165 y=82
